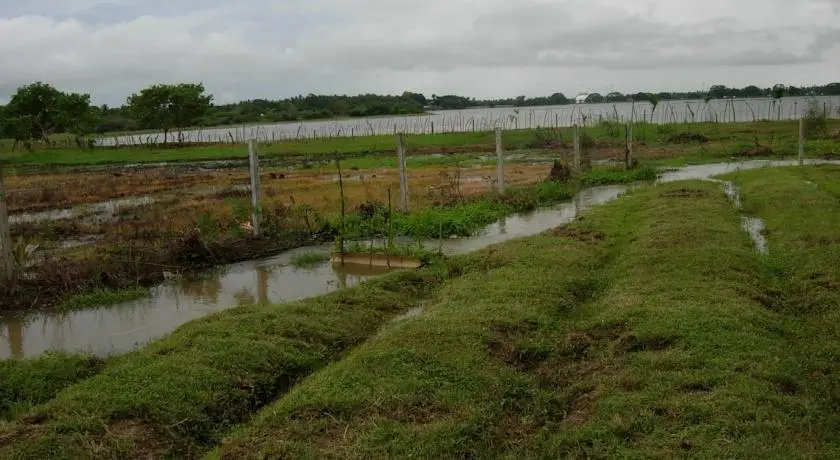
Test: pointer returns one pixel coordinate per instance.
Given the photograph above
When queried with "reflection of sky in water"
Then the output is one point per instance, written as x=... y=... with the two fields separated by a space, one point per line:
x=124 y=326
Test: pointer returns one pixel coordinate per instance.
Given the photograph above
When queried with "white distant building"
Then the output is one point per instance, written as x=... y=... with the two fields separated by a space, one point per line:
x=581 y=98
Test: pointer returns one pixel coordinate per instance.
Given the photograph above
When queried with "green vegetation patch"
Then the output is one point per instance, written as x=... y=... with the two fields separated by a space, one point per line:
x=100 y=298
x=26 y=383
x=636 y=332
x=309 y=259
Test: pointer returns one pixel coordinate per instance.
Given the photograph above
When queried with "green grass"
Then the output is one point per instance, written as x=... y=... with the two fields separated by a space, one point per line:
x=638 y=332
x=100 y=298
x=26 y=383
x=309 y=259
x=467 y=218
x=177 y=396
x=725 y=139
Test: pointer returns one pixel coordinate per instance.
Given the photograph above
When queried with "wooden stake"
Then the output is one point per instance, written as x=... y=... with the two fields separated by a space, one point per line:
x=256 y=211
x=403 y=172
x=500 y=161
x=7 y=264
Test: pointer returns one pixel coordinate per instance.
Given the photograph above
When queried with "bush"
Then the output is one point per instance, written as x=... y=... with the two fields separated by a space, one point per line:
x=816 y=123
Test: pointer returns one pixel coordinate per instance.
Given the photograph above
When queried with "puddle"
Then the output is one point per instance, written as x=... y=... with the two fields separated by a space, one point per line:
x=755 y=227
x=122 y=327
x=98 y=212
x=416 y=311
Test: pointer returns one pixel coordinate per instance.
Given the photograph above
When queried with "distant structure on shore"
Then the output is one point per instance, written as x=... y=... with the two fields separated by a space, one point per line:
x=582 y=97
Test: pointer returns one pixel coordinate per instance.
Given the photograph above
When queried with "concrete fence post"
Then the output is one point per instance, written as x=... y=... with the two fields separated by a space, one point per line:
x=576 y=146
x=628 y=157
x=801 y=141
x=7 y=261
x=256 y=210
x=500 y=161
x=403 y=172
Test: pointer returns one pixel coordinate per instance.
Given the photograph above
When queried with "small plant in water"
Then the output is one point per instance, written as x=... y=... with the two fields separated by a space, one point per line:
x=309 y=259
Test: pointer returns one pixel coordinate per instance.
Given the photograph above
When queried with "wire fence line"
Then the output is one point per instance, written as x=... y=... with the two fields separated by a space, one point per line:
x=507 y=118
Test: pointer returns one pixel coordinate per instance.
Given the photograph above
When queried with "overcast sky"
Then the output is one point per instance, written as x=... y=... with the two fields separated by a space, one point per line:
x=481 y=48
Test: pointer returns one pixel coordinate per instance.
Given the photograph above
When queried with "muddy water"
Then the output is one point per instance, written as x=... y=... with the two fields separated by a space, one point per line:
x=122 y=327
x=96 y=212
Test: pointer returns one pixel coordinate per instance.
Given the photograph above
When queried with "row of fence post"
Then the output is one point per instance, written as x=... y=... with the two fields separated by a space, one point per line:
x=7 y=263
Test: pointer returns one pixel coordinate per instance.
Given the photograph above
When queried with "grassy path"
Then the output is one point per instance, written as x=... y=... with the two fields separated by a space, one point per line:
x=637 y=332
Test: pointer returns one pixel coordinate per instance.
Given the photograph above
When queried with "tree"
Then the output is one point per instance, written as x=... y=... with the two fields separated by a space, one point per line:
x=752 y=91
x=35 y=111
x=719 y=91
x=168 y=107
x=558 y=99
x=417 y=97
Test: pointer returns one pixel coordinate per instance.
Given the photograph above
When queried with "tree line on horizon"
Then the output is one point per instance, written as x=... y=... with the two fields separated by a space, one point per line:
x=39 y=110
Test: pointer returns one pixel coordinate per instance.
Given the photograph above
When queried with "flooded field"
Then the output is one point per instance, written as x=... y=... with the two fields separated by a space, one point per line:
x=118 y=328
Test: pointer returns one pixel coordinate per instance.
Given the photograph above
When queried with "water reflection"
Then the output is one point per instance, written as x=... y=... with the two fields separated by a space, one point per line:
x=124 y=326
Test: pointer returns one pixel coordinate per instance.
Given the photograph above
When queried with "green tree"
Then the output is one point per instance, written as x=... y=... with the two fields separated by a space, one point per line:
x=417 y=97
x=168 y=107
x=38 y=110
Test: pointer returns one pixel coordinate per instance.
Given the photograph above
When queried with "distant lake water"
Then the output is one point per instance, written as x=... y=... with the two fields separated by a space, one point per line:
x=485 y=119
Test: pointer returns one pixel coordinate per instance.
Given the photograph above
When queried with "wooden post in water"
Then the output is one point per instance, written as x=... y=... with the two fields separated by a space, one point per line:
x=256 y=210
x=500 y=161
x=403 y=172
x=801 y=141
x=576 y=146
x=628 y=154
x=7 y=261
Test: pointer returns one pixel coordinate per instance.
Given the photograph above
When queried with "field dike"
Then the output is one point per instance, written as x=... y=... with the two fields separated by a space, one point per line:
x=641 y=330
x=650 y=327
x=178 y=395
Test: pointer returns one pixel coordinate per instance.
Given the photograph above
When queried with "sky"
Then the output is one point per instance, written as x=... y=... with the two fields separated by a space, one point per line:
x=477 y=48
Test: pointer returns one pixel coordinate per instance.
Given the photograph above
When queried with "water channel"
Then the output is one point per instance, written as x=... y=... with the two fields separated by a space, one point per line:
x=119 y=328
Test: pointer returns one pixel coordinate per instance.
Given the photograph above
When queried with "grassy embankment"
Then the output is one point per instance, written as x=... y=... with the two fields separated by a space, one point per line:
x=180 y=394
x=706 y=141
x=24 y=384
x=663 y=334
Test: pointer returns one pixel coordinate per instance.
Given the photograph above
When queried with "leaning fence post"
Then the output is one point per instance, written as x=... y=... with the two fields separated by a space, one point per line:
x=576 y=144
x=628 y=156
x=500 y=161
x=8 y=262
x=256 y=210
x=403 y=173
x=801 y=141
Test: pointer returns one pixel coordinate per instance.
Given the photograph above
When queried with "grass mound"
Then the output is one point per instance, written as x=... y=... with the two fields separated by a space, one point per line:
x=646 y=341
x=178 y=395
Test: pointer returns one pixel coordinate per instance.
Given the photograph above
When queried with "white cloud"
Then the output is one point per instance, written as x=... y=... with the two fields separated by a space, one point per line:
x=481 y=48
